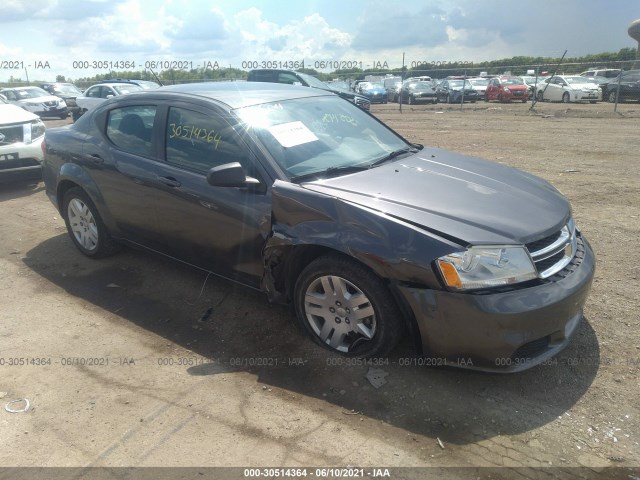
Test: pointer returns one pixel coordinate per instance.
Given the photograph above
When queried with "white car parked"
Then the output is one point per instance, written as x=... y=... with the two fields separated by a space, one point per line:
x=21 y=135
x=96 y=94
x=36 y=100
x=569 y=88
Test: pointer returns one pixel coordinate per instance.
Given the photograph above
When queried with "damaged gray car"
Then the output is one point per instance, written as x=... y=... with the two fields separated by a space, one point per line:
x=299 y=194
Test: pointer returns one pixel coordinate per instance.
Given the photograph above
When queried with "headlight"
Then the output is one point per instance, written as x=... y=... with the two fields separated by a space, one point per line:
x=485 y=267
x=32 y=131
x=506 y=89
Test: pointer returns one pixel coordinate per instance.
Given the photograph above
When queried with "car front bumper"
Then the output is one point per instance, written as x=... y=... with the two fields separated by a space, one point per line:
x=21 y=161
x=501 y=332
x=425 y=98
x=51 y=111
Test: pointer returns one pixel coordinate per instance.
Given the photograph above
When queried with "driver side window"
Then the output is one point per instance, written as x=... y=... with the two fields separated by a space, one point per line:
x=199 y=142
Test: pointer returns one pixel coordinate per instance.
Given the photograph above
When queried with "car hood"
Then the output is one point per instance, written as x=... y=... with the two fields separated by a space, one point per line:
x=465 y=199
x=13 y=114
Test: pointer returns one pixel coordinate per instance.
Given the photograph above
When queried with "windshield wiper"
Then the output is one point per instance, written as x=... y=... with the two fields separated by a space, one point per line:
x=396 y=153
x=330 y=172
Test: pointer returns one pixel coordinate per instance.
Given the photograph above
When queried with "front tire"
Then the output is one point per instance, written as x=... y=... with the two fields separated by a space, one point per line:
x=612 y=97
x=85 y=227
x=565 y=97
x=346 y=308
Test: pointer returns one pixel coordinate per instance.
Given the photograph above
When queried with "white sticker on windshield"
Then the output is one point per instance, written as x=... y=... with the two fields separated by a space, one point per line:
x=292 y=134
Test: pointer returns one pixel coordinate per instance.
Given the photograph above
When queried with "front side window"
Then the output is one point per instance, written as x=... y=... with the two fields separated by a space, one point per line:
x=106 y=91
x=93 y=92
x=199 y=142
x=130 y=128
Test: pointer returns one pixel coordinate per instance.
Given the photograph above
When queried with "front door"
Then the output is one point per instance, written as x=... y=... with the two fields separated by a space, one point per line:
x=221 y=229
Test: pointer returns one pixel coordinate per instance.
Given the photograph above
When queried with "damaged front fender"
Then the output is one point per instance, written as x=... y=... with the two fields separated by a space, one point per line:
x=307 y=224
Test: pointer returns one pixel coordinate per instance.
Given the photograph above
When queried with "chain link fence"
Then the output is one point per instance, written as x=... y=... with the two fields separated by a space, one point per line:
x=435 y=70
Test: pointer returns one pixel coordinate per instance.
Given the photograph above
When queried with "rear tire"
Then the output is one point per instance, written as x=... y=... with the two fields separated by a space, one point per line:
x=85 y=227
x=346 y=308
x=540 y=97
x=612 y=97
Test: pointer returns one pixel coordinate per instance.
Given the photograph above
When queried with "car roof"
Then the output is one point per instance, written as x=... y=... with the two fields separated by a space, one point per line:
x=241 y=94
x=20 y=88
x=114 y=84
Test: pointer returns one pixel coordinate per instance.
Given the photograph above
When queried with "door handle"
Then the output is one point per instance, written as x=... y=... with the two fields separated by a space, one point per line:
x=169 y=181
x=95 y=159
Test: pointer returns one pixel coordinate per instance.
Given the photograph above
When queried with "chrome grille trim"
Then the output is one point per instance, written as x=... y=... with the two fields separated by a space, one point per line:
x=565 y=246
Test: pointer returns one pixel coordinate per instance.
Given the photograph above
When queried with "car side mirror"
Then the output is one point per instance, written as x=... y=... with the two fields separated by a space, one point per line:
x=230 y=175
x=109 y=96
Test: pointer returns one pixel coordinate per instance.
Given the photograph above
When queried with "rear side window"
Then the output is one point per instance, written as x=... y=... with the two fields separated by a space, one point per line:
x=199 y=142
x=130 y=128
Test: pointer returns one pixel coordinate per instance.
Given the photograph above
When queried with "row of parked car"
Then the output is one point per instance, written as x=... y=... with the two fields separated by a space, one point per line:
x=59 y=99
x=591 y=86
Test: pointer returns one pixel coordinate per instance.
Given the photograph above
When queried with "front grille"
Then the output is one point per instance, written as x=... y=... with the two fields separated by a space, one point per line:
x=549 y=262
x=543 y=242
x=531 y=350
x=11 y=134
x=362 y=103
x=554 y=252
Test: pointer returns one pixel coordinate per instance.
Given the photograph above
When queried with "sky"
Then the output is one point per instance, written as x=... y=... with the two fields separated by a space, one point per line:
x=63 y=37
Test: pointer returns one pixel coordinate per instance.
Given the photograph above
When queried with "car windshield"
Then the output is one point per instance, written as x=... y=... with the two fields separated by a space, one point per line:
x=127 y=88
x=147 y=84
x=512 y=81
x=458 y=84
x=479 y=82
x=421 y=86
x=66 y=89
x=573 y=80
x=371 y=86
x=31 y=92
x=319 y=135
x=342 y=86
x=2 y=100
x=313 y=81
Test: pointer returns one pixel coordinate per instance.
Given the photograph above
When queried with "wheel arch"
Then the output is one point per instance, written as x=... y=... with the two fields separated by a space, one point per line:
x=71 y=176
x=294 y=258
x=307 y=224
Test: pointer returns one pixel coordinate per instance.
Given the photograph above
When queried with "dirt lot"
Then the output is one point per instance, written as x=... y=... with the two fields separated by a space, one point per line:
x=137 y=361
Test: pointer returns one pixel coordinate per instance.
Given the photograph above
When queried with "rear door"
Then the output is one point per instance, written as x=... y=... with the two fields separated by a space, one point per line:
x=123 y=162
x=554 y=90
